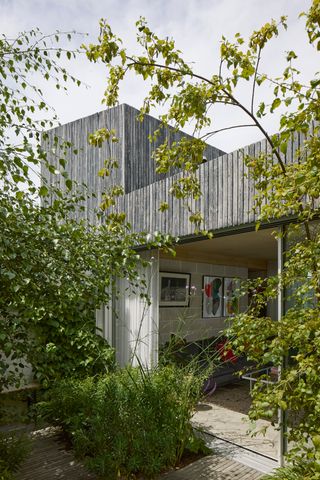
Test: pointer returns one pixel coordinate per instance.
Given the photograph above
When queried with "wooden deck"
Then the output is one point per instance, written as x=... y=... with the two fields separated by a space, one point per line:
x=50 y=460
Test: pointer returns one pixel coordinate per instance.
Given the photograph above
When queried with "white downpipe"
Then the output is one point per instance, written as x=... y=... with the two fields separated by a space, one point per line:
x=281 y=413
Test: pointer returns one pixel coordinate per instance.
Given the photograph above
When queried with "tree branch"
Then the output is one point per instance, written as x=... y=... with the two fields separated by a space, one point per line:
x=228 y=94
x=255 y=80
x=210 y=134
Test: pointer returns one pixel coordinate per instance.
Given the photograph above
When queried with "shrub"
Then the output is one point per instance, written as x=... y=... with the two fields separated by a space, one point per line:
x=307 y=468
x=14 y=448
x=292 y=473
x=130 y=421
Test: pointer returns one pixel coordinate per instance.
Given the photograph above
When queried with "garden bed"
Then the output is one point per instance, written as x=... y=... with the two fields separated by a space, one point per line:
x=131 y=422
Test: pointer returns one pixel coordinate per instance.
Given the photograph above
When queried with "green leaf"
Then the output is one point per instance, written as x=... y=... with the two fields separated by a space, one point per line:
x=69 y=184
x=20 y=195
x=283 y=147
x=163 y=207
x=43 y=191
x=53 y=323
x=275 y=104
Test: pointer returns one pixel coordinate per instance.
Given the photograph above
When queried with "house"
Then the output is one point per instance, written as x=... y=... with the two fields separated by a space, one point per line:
x=134 y=328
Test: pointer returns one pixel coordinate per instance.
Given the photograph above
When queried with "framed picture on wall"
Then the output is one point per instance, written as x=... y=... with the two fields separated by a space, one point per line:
x=231 y=301
x=174 y=289
x=212 y=297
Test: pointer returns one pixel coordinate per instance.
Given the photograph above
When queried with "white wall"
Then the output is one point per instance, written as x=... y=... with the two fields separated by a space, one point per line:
x=137 y=321
x=188 y=321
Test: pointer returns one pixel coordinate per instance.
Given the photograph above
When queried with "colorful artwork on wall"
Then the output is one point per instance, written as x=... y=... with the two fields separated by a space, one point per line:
x=231 y=301
x=212 y=297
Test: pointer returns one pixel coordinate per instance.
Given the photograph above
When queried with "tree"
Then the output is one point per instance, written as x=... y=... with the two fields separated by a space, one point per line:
x=54 y=271
x=291 y=190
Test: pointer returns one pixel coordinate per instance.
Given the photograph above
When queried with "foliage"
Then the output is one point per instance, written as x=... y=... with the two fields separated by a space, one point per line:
x=305 y=470
x=187 y=95
x=128 y=422
x=47 y=294
x=54 y=271
x=287 y=190
x=14 y=448
x=55 y=274
x=14 y=406
x=23 y=107
x=292 y=343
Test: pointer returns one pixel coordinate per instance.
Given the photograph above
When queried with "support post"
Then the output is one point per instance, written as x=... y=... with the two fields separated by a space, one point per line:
x=282 y=416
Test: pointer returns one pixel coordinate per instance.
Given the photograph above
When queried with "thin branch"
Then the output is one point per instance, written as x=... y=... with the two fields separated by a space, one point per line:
x=220 y=70
x=210 y=134
x=287 y=85
x=255 y=79
x=30 y=51
x=262 y=130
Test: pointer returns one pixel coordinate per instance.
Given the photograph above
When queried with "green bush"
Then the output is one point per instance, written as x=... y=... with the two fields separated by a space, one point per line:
x=301 y=470
x=130 y=421
x=14 y=448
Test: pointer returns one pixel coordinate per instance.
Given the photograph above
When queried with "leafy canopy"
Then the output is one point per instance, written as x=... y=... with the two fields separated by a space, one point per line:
x=55 y=271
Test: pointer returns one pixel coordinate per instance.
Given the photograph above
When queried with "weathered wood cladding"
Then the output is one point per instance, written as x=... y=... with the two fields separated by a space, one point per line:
x=139 y=166
x=227 y=196
x=228 y=191
x=133 y=152
x=83 y=167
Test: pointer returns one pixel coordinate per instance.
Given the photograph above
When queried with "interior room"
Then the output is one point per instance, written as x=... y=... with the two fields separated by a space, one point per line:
x=194 y=308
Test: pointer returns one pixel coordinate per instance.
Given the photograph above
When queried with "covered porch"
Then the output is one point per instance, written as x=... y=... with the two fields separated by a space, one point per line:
x=139 y=330
x=247 y=255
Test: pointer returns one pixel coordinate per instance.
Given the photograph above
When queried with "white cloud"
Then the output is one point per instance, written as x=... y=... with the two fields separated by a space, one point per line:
x=197 y=26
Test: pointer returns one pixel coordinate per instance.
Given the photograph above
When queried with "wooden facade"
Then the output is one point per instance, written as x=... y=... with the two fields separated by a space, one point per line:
x=136 y=167
x=227 y=199
x=227 y=190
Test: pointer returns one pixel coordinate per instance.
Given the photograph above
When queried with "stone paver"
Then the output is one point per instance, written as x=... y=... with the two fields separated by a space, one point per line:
x=234 y=427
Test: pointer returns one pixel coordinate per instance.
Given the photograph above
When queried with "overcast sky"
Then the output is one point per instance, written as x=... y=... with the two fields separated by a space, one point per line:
x=197 y=26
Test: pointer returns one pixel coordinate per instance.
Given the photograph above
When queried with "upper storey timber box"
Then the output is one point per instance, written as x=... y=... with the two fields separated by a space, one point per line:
x=227 y=190
x=133 y=152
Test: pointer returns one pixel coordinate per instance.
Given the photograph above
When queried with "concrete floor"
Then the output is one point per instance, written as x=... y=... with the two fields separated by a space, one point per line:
x=224 y=415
